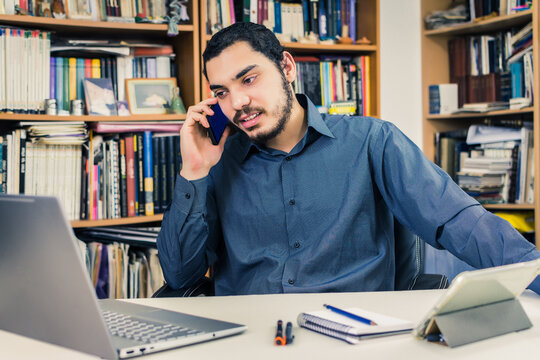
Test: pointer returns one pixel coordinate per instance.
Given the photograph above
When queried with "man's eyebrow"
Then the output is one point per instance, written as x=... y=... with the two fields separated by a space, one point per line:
x=241 y=73
x=244 y=71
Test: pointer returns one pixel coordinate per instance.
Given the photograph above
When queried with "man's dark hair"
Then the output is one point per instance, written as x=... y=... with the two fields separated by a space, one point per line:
x=259 y=37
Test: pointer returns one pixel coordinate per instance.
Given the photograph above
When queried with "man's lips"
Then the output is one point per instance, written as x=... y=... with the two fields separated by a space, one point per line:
x=250 y=120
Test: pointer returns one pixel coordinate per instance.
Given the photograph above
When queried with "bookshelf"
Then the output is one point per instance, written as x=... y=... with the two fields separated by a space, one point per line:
x=186 y=47
x=435 y=51
x=367 y=25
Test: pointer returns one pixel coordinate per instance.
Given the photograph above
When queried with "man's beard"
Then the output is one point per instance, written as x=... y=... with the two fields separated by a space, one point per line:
x=284 y=113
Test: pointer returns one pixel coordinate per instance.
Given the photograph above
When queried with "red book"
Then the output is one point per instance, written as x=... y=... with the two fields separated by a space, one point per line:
x=153 y=51
x=130 y=170
x=87 y=68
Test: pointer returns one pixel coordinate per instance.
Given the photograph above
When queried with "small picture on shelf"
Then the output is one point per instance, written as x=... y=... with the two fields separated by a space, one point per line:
x=123 y=108
x=79 y=10
x=150 y=96
x=99 y=97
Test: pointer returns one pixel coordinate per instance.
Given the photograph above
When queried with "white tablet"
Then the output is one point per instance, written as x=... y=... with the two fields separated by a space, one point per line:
x=481 y=287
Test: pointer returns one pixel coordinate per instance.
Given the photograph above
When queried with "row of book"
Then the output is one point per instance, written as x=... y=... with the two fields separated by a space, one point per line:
x=482 y=8
x=96 y=10
x=132 y=174
x=119 y=270
x=331 y=81
x=24 y=90
x=67 y=74
x=43 y=163
x=493 y=164
x=491 y=68
x=122 y=170
x=297 y=21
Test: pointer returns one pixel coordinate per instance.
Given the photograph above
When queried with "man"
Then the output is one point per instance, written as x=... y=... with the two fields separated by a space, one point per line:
x=296 y=201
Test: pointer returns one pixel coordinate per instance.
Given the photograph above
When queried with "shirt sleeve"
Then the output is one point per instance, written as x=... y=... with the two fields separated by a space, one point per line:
x=184 y=250
x=426 y=200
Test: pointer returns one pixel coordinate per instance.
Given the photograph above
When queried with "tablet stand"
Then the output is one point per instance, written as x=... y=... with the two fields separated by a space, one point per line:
x=481 y=322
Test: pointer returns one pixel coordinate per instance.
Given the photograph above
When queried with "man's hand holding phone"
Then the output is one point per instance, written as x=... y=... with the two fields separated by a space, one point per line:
x=198 y=152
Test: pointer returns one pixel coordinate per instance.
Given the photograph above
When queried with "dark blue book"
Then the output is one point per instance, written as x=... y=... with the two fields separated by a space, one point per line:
x=4 y=166
x=277 y=17
x=163 y=173
x=177 y=155
x=323 y=21
x=170 y=167
x=157 y=193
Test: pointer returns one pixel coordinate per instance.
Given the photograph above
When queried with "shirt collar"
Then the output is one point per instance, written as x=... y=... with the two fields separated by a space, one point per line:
x=315 y=123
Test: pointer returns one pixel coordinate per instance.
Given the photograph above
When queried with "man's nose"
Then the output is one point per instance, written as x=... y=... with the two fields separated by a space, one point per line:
x=239 y=100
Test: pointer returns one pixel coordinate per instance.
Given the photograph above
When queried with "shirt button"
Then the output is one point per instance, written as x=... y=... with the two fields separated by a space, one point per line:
x=188 y=196
x=288 y=158
x=292 y=202
x=297 y=244
x=291 y=281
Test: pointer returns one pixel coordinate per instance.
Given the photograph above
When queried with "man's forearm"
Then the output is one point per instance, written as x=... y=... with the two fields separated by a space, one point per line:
x=182 y=240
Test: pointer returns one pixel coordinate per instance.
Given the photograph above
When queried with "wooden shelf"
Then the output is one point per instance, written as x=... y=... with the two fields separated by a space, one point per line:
x=92 y=118
x=484 y=26
x=329 y=48
x=85 y=25
x=322 y=48
x=524 y=111
x=116 y=222
x=513 y=207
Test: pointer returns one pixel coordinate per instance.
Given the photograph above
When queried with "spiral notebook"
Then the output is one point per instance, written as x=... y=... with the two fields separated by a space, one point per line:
x=352 y=331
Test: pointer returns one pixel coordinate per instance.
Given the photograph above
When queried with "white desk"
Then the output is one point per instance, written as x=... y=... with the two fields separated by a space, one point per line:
x=260 y=313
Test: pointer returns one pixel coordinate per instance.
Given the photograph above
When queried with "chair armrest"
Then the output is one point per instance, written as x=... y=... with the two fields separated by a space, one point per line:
x=203 y=287
x=428 y=282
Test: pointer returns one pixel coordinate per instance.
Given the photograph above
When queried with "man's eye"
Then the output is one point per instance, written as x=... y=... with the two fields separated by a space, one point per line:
x=249 y=80
x=220 y=94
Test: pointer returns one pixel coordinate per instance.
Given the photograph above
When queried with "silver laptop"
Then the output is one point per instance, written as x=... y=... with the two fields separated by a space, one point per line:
x=47 y=295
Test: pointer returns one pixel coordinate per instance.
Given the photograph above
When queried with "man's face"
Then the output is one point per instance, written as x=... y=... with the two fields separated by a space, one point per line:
x=252 y=91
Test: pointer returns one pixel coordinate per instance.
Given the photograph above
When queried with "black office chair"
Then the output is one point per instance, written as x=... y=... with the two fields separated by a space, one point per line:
x=409 y=252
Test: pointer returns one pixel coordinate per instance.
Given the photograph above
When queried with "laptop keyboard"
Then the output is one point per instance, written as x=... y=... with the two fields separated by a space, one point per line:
x=145 y=331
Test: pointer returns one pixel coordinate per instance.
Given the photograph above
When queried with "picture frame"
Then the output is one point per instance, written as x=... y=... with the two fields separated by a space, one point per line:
x=150 y=96
x=99 y=97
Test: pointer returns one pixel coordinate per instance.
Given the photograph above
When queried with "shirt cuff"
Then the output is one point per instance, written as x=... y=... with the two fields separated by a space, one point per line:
x=190 y=196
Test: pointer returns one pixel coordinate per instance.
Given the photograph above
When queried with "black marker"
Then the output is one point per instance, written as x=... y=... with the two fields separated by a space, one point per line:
x=289 y=337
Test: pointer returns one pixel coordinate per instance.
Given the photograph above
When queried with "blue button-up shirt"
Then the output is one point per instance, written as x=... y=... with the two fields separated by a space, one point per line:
x=320 y=218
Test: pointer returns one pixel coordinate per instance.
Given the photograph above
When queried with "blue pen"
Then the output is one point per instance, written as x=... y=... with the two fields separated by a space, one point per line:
x=350 y=315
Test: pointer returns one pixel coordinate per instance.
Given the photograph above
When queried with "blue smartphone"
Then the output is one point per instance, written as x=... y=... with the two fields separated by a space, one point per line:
x=218 y=123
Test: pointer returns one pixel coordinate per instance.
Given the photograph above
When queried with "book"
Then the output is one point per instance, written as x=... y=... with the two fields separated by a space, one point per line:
x=148 y=174
x=443 y=98
x=352 y=331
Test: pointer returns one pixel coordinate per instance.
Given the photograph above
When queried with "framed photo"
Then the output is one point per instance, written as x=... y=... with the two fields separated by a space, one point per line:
x=99 y=97
x=123 y=108
x=150 y=96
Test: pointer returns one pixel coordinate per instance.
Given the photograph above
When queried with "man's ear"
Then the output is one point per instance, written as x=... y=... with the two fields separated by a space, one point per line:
x=288 y=66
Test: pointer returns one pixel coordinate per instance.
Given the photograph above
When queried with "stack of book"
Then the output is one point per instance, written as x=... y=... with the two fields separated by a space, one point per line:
x=484 y=178
x=497 y=165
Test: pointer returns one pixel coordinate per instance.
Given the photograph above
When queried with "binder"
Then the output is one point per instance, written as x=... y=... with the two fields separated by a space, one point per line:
x=352 y=331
